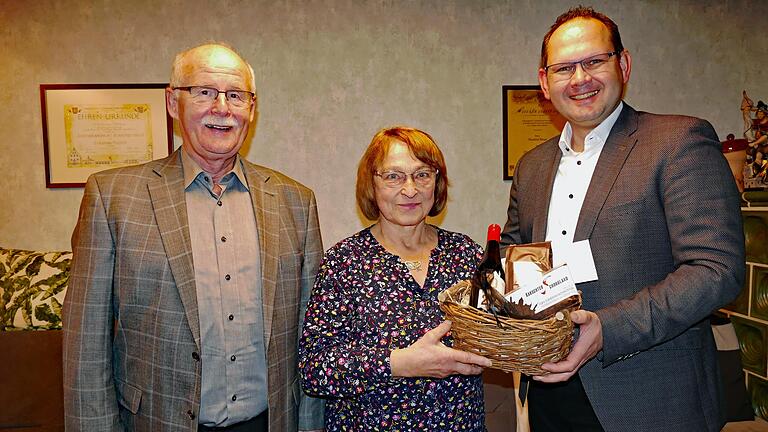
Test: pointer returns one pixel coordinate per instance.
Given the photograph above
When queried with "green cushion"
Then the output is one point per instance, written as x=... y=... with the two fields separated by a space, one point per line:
x=32 y=288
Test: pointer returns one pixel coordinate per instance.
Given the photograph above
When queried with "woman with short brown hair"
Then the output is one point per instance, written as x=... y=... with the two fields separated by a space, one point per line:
x=374 y=341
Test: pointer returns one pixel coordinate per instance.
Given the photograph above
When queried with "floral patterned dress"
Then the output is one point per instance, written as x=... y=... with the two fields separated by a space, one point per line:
x=364 y=304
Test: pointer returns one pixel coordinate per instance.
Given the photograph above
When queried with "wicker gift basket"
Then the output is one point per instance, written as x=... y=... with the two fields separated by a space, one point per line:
x=520 y=345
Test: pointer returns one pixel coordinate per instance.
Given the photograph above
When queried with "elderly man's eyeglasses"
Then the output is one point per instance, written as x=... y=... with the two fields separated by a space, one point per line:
x=207 y=95
x=422 y=177
x=564 y=71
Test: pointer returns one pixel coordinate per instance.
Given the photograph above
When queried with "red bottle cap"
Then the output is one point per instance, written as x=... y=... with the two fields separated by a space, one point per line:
x=494 y=232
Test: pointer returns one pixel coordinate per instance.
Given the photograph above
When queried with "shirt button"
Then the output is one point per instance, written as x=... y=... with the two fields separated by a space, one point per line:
x=570 y=196
x=234 y=398
x=219 y=203
x=195 y=356
x=233 y=358
x=191 y=415
x=578 y=162
x=223 y=239
x=227 y=277
x=231 y=317
x=567 y=149
x=563 y=232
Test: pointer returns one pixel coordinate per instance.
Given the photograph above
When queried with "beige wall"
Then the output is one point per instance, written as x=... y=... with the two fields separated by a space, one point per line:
x=331 y=73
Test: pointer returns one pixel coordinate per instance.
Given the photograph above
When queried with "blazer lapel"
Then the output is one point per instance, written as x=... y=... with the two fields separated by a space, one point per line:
x=266 y=209
x=615 y=152
x=169 y=205
x=551 y=159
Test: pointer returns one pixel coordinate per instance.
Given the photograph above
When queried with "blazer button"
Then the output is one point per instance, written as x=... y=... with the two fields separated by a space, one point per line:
x=191 y=415
x=195 y=356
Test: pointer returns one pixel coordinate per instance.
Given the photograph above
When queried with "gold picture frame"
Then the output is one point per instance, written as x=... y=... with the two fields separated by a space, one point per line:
x=92 y=127
x=529 y=119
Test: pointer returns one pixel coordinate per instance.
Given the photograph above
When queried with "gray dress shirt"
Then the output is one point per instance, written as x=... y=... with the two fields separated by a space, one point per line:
x=228 y=280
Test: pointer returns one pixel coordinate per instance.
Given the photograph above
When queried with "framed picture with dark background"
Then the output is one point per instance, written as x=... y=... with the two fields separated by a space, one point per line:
x=529 y=120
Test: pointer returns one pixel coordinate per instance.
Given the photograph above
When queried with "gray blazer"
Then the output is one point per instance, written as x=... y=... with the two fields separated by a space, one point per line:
x=662 y=216
x=131 y=329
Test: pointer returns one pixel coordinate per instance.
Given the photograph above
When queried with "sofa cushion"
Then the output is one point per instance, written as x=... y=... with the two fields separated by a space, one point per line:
x=31 y=390
x=32 y=288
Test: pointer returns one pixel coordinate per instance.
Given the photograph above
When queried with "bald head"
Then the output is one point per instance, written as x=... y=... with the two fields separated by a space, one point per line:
x=210 y=54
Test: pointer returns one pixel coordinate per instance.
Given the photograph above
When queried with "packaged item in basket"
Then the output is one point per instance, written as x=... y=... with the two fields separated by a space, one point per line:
x=554 y=292
x=526 y=264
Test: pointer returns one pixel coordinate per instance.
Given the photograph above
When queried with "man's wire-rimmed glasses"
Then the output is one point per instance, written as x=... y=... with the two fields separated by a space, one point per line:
x=564 y=71
x=235 y=98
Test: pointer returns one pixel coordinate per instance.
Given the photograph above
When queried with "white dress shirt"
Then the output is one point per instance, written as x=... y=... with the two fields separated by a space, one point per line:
x=572 y=180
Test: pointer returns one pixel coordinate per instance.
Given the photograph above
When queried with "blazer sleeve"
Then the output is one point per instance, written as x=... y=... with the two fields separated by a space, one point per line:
x=701 y=208
x=90 y=401
x=311 y=410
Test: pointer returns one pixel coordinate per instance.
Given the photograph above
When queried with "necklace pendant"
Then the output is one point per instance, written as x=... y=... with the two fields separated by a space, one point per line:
x=412 y=265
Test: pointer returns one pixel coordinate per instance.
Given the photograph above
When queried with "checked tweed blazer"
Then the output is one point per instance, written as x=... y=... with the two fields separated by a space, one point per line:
x=662 y=217
x=131 y=328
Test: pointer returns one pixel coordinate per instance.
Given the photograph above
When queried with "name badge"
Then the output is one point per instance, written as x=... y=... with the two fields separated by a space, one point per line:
x=578 y=256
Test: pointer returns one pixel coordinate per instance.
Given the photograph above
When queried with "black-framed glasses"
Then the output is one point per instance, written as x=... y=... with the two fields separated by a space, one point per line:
x=564 y=71
x=235 y=98
x=421 y=177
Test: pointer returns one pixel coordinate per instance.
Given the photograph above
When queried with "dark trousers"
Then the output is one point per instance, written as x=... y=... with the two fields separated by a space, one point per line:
x=260 y=423
x=561 y=407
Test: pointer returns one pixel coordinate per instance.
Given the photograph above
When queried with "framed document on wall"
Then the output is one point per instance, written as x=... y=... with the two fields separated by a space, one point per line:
x=93 y=127
x=529 y=120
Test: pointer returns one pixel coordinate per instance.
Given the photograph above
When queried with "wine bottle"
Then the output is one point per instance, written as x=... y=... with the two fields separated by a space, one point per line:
x=489 y=272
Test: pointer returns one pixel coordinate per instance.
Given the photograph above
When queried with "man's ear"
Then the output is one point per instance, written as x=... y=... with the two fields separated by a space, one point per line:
x=543 y=82
x=254 y=109
x=625 y=63
x=172 y=102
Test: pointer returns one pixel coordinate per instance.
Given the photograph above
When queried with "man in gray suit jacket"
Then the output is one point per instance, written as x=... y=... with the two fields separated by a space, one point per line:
x=647 y=207
x=190 y=276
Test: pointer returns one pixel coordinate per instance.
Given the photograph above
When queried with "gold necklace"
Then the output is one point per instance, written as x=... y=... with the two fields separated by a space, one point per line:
x=412 y=265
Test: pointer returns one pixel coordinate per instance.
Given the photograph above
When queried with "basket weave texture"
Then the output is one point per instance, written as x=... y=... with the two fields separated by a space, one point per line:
x=519 y=346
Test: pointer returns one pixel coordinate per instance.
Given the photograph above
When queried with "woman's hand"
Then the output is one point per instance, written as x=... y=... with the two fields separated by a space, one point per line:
x=428 y=357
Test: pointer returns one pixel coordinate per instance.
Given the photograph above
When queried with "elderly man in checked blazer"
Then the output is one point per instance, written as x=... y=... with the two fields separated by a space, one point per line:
x=190 y=276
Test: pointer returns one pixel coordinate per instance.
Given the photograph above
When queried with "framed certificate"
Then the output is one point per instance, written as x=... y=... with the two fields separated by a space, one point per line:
x=529 y=120
x=93 y=127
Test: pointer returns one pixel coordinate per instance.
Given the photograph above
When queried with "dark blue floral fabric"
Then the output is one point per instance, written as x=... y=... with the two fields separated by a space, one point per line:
x=364 y=304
